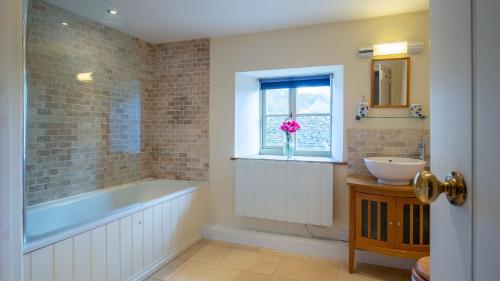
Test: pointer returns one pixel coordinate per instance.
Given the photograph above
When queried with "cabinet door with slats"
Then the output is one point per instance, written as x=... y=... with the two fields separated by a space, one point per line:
x=374 y=221
x=412 y=225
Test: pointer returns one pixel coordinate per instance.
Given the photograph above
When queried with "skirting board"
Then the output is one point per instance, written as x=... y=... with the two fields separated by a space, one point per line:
x=336 y=250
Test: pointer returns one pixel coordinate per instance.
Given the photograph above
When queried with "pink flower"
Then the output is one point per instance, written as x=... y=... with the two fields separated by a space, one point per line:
x=290 y=126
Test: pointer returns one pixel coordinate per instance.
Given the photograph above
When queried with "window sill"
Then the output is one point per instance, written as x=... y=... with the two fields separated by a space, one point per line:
x=308 y=159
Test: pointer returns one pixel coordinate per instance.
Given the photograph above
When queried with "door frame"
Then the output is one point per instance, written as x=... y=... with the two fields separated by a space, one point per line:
x=486 y=98
x=12 y=32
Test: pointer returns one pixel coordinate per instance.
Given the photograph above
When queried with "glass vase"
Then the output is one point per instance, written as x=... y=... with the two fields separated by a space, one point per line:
x=289 y=145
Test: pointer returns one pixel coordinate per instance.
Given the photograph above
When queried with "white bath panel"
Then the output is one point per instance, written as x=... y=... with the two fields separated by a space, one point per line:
x=82 y=257
x=182 y=234
x=98 y=247
x=128 y=249
x=148 y=236
x=137 y=242
x=285 y=191
x=42 y=264
x=174 y=221
x=63 y=260
x=27 y=267
x=182 y=216
x=113 y=251
x=167 y=226
x=190 y=214
x=158 y=233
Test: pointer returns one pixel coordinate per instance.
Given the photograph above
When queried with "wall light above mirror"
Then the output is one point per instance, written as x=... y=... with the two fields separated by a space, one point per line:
x=394 y=48
x=390 y=82
x=390 y=48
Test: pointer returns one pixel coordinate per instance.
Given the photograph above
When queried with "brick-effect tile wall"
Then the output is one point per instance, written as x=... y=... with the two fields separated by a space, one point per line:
x=363 y=143
x=82 y=136
x=147 y=90
x=176 y=111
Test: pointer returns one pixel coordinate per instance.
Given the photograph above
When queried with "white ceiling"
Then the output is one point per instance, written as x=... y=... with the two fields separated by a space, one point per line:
x=158 y=21
x=95 y=10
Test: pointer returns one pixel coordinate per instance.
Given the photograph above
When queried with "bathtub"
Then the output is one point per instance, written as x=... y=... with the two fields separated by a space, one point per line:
x=135 y=228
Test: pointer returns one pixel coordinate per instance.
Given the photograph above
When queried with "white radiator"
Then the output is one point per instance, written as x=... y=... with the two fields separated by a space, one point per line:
x=296 y=192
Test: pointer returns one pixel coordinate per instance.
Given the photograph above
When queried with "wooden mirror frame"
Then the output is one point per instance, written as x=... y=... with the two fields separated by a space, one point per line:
x=407 y=83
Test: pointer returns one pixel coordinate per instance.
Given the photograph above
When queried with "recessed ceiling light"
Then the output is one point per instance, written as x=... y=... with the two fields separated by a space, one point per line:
x=64 y=23
x=113 y=12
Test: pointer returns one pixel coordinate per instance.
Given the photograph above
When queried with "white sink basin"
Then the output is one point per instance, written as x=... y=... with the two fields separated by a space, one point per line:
x=394 y=170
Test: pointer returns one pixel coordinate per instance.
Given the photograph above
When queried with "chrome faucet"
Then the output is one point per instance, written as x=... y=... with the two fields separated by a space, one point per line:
x=421 y=150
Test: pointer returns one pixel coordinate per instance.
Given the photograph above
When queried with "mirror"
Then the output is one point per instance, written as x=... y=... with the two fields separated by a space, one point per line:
x=390 y=82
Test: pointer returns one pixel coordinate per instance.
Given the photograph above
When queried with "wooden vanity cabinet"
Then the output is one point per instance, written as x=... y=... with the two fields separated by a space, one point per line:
x=386 y=219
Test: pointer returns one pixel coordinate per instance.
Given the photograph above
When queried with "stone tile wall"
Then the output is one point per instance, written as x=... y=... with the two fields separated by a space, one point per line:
x=176 y=111
x=363 y=143
x=117 y=128
x=147 y=91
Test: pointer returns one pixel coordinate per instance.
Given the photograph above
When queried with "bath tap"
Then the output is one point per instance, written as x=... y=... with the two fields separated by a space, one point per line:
x=421 y=150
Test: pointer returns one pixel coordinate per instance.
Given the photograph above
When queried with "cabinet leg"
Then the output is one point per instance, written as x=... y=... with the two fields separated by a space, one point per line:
x=352 y=228
x=351 y=256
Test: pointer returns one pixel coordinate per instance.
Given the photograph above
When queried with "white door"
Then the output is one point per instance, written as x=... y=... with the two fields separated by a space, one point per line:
x=465 y=137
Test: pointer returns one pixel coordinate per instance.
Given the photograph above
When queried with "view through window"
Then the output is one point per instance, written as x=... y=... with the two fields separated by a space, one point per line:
x=310 y=105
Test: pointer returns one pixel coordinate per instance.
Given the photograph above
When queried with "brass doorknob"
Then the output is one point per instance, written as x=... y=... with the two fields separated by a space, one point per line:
x=428 y=188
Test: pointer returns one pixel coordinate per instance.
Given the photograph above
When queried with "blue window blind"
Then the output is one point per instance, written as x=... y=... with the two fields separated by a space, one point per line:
x=294 y=82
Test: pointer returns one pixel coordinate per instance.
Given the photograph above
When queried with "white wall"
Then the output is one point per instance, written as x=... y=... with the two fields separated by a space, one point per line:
x=247 y=121
x=329 y=44
x=11 y=117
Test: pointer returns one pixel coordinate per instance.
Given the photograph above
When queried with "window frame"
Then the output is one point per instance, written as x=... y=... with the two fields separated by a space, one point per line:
x=292 y=102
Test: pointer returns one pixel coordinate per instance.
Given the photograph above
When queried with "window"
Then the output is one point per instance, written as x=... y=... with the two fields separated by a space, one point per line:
x=308 y=100
x=262 y=103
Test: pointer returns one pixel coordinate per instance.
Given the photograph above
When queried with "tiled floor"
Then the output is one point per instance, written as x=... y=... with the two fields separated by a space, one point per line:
x=219 y=261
